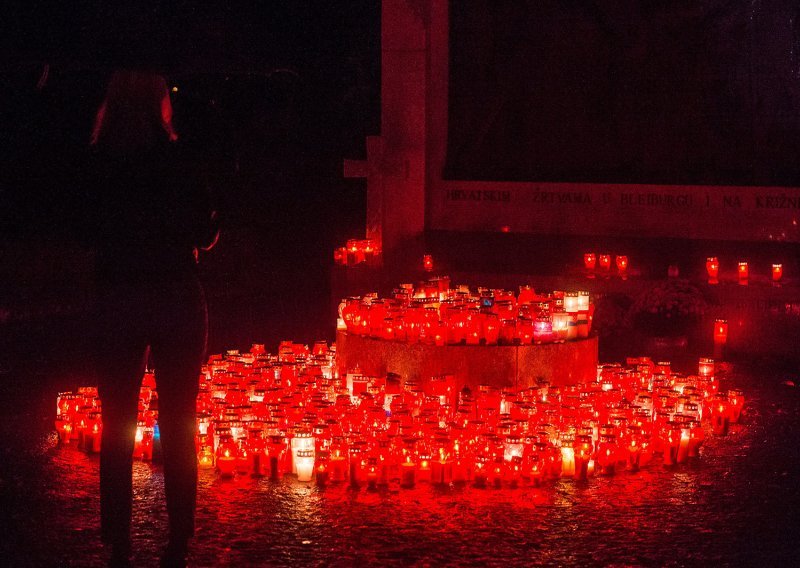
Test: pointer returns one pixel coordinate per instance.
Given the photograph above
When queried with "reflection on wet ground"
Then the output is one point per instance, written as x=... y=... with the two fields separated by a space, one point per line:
x=737 y=504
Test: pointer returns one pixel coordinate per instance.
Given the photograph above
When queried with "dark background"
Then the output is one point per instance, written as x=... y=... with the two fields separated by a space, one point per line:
x=274 y=95
x=666 y=92
x=271 y=95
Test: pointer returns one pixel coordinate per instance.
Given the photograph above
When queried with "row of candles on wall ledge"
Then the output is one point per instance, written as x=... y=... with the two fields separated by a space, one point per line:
x=601 y=264
x=291 y=414
x=742 y=271
x=436 y=314
x=357 y=251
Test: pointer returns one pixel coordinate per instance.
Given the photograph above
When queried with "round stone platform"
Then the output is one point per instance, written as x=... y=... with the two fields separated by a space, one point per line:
x=472 y=365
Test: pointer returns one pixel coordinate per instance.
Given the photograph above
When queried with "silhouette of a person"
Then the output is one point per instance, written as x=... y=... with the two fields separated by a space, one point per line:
x=151 y=215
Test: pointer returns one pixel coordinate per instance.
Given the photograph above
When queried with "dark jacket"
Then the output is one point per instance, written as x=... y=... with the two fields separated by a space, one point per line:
x=149 y=213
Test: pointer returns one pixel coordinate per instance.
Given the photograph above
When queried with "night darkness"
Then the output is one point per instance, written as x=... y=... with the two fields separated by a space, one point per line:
x=272 y=96
x=675 y=99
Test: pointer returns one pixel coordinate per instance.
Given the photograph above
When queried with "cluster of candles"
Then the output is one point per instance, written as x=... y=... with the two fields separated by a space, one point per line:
x=742 y=271
x=357 y=252
x=602 y=263
x=79 y=418
x=291 y=413
x=436 y=314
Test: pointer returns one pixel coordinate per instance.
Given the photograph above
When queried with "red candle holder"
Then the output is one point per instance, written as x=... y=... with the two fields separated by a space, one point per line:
x=736 y=403
x=269 y=415
x=720 y=416
x=743 y=272
x=706 y=364
x=590 y=262
x=408 y=473
x=622 y=265
x=720 y=332
x=712 y=268
x=605 y=262
x=777 y=272
x=340 y=256
x=227 y=454
x=427 y=263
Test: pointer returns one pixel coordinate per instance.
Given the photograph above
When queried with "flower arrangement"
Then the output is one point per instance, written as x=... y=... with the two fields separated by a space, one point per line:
x=668 y=309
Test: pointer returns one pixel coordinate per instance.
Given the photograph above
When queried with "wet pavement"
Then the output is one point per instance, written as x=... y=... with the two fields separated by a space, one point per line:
x=738 y=504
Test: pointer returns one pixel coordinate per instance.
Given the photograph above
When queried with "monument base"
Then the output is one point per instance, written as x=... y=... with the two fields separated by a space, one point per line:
x=517 y=366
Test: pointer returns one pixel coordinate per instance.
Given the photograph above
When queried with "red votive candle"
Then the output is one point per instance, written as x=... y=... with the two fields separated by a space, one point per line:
x=408 y=473
x=441 y=472
x=720 y=416
x=424 y=472
x=340 y=256
x=736 y=403
x=720 y=332
x=744 y=273
x=712 y=268
x=696 y=438
x=777 y=272
x=706 y=366
x=590 y=261
x=622 y=265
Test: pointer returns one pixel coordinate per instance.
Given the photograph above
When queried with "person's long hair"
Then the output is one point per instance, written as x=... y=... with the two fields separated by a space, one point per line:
x=135 y=115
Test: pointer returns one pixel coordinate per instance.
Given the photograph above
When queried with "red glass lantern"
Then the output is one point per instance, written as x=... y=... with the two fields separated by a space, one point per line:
x=322 y=470
x=720 y=331
x=543 y=328
x=706 y=366
x=589 y=261
x=744 y=272
x=777 y=272
x=696 y=437
x=408 y=474
x=427 y=262
x=354 y=253
x=525 y=331
x=720 y=415
x=337 y=461
x=605 y=262
x=712 y=268
x=491 y=329
x=227 y=453
x=527 y=294
x=370 y=250
x=622 y=265
x=340 y=256
x=736 y=403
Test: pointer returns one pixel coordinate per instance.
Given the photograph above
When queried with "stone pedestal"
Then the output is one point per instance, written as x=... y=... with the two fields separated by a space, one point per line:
x=501 y=366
